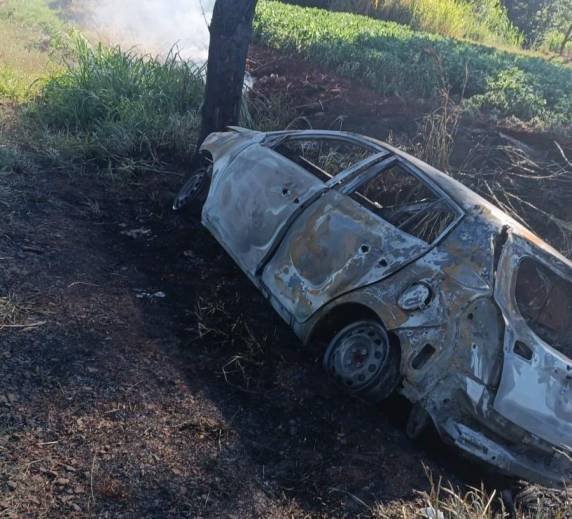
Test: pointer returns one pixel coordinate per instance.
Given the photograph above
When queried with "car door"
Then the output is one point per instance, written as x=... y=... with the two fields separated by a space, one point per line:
x=261 y=192
x=368 y=226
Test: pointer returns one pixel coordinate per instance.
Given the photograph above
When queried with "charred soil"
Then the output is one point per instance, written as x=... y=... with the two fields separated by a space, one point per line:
x=142 y=375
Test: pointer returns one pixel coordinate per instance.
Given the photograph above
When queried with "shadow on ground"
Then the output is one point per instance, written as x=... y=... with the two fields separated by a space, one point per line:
x=142 y=375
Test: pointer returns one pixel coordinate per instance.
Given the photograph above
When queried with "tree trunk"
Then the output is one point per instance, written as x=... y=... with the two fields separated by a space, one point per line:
x=231 y=33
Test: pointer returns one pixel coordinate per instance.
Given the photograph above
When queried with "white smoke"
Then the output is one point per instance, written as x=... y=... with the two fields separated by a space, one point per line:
x=154 y=26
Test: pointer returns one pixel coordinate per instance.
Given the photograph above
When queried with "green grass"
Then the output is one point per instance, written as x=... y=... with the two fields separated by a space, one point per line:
x=83 y=108
x=396 y=60
x=116 y=110
x=32 y=13
x=22 y=59
x=98 y=108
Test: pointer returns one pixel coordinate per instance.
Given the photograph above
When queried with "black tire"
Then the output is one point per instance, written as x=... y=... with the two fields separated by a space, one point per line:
x=193 y=194
x=364 y=361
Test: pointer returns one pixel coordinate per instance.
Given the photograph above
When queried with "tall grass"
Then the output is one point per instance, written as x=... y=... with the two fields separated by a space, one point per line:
x=554 y=41
x=117 y=110
x=484 y=21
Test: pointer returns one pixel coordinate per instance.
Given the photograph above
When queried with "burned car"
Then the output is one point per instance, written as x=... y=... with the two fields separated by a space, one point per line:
x=414 y=284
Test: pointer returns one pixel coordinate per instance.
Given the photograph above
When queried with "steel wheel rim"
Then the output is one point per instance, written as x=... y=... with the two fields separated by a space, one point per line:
x=356 y=356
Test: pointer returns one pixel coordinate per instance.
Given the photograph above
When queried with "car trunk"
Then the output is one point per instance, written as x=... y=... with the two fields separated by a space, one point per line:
x=534 y=291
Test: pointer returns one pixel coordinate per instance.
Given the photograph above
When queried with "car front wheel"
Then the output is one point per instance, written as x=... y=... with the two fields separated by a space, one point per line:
x=364 y=361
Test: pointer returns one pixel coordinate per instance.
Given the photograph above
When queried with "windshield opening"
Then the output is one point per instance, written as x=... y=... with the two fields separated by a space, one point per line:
x=324 y=157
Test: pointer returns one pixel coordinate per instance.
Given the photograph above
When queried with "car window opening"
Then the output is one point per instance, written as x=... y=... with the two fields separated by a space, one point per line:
x=544 y=299
x=403 y=200
x=324 y=158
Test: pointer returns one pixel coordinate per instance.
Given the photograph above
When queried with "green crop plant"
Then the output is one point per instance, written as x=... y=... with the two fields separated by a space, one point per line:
x=393 y=59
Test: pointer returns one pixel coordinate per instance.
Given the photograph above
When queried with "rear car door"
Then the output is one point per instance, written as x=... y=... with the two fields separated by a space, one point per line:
x=371 y=224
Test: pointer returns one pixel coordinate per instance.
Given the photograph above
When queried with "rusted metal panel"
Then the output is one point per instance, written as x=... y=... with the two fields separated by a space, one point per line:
x=250 y=201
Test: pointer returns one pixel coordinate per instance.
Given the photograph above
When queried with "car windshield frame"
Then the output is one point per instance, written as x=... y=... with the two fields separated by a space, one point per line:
x=274 y=141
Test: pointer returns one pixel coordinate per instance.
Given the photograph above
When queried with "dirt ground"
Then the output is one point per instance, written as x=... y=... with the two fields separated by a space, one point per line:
x=141 y=375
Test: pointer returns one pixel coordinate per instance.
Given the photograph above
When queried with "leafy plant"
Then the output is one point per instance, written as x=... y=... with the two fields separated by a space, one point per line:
x=512 y=91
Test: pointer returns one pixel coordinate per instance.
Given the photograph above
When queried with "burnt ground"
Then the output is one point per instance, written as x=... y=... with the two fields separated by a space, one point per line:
x=142 y=375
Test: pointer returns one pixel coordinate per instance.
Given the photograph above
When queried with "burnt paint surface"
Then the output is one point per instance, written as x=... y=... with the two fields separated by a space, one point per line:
x=336 y=246
x=248 y=204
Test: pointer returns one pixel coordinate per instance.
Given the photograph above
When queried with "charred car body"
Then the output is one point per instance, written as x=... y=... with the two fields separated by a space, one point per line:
x=416 y=283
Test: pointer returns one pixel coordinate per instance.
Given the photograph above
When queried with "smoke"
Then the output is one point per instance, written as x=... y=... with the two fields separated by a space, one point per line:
x=154 y=26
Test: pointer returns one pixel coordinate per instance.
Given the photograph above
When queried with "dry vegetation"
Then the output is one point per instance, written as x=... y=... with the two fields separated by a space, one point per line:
x=10 y=313
x=532 y=187
x=535 y=191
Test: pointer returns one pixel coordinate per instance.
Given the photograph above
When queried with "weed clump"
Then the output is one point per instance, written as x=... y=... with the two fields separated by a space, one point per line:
x=117 y=110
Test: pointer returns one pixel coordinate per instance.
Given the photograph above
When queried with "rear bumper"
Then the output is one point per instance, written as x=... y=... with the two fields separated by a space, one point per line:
x=551 y=469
